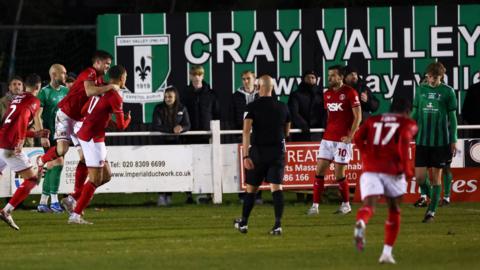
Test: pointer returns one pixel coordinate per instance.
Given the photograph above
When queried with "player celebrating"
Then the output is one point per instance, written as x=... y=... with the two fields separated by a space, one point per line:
x=88 y=83
x=13 y=132
x=92 y=139
x=384 y=142
x=50 y=96
x=344 y=117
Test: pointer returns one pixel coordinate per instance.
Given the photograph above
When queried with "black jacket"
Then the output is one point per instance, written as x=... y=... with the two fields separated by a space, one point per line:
x=202 y=106
x=159 y=123
x=306 y=108
x=471 y=105
x=239 y=106
x=372 y=103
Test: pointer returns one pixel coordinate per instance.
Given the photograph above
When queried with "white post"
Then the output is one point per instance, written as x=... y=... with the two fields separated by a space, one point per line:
x=217 y=162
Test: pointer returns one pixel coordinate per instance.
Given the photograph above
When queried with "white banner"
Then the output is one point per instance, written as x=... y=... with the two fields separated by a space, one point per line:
x=134 y=169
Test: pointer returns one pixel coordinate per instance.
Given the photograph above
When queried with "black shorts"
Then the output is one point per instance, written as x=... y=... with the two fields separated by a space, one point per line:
x=269 y=165
x=433 y=156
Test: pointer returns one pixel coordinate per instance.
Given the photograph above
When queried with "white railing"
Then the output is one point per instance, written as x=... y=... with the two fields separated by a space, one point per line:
x=215 y=132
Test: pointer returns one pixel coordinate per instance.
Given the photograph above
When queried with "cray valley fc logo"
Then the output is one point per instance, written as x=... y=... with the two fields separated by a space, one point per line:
x=147 y=60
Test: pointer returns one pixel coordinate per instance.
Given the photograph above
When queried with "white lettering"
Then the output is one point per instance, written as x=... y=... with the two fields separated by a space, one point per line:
x=188 y=48
x=362 y=47
x=230 y=48
x=381 y=53
x=436 y=41
x=470 y=39
x=391 y=84
x=259 y=47
x=472 y=184
x=373 y=82
x=407 y=44
x=287 y=44
x=329 y=51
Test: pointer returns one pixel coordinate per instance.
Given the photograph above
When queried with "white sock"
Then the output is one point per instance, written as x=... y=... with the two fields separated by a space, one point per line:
x=346 y=203
x=8 y=208
x=423 y=196
x=387 y=250
x=74 y=215
x=315 y=205
x=44 y=199
x=446 y=199
x=54 y=198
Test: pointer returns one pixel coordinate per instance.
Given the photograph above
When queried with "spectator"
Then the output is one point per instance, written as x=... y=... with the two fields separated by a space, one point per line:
x=170 y=117
x=202 y=106
x=201 y=103
x=240 y=99
x=471 y=110
x=306 y=108
x=15 y=87
x=368 y=101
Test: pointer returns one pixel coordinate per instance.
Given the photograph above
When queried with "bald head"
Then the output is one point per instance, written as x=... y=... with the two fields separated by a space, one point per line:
x=58 y=75
x=265 y=83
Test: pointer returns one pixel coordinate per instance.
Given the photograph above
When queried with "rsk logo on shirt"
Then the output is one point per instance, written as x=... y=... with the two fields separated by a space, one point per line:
x=334 y=107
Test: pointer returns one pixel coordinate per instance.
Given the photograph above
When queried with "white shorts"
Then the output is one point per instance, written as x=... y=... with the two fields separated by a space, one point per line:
x=95 y=153
x=65 y=128
x=337 y=152
x=391 y=186
x=16 y=162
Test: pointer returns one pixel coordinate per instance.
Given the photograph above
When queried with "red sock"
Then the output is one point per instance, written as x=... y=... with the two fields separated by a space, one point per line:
x=365 y=213
x=318 y=186
x=23 y=191
x=50 y=155
x=81 y=174
x=392 y=226
x=344 y=190
x=87 y=195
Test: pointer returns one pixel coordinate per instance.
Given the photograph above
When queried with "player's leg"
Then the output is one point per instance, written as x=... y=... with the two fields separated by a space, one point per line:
x=447 y=185
x=325 y=156
x=241 y=224
x=54 y=181
x=43 y=204
x=392 y=228
x=343 y=155
x=422 y=161
x=436 y=190
x=343 y=187
x=371 y=188
x=81 y=174
x=278 y=205
x=19 y=163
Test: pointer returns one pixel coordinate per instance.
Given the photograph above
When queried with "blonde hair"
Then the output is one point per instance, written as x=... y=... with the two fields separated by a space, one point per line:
x=197 y=70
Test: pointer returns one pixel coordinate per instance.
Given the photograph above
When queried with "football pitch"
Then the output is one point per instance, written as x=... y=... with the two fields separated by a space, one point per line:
x=202 y=237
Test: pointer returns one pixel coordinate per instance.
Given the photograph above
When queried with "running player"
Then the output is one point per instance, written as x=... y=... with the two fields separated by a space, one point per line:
x=98 y=111
x=344 y=117
x=384 y=142
x=88 y=83
x=13 y=132
x=50 y=96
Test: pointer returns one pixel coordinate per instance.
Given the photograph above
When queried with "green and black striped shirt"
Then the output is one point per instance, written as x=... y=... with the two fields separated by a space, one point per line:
x=433 y=109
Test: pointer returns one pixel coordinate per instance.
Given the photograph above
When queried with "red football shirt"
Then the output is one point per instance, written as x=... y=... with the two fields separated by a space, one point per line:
x=384 y=142
x=19 y=114
x=98 y=111
x=73 y=102
x=339 y=105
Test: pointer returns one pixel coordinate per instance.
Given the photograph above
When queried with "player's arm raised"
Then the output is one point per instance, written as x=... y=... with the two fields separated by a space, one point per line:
x=92 y=90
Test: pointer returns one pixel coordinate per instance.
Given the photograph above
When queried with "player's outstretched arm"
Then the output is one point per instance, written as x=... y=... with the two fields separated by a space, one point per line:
x=92 y=90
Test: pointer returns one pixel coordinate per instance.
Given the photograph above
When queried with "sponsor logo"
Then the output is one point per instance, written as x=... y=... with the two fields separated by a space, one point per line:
x=334 y=107
x=475 y=152
x=465 y=186
x=342 y=96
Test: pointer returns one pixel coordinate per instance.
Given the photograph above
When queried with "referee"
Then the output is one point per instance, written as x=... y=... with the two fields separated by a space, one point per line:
x=270 y=121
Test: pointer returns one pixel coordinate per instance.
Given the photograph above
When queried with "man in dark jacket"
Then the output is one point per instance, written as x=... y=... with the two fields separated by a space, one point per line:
x=306 y=108
x=201 y=103
x=242 y=97
x=471 y=109
x=368 y=101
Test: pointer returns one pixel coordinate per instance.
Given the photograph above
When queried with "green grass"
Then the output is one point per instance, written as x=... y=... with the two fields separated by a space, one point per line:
x=202 y=237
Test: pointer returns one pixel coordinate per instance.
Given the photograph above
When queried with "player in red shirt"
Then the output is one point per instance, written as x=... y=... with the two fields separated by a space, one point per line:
x=14 y=130
x=344 y=117
x=98 y=111
x=88 y=83
x=384 y=142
